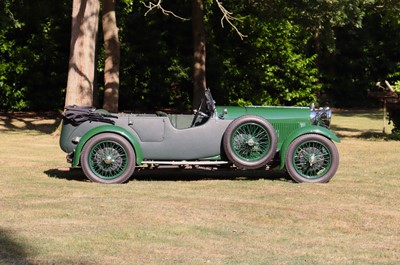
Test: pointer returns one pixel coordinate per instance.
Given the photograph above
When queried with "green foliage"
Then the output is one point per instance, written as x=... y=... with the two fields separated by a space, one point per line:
x=155 y=59
x=12 y=93
x=396 y=86
x=394 y=114
x=394 y=117
x=270 y=67
x=362 y=56
x=33 y=54
x=296 y=52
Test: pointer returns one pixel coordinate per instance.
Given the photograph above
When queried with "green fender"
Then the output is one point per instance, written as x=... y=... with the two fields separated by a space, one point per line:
x=108 y=129
x=301 y=131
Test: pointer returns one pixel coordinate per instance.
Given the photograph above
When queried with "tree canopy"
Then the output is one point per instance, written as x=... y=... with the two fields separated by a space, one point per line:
x=295 y=53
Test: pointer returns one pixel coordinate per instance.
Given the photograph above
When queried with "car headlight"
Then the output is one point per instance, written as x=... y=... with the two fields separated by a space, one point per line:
x=321 y=116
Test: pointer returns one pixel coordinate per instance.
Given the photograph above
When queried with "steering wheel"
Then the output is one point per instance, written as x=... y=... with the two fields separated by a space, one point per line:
x=198 y=112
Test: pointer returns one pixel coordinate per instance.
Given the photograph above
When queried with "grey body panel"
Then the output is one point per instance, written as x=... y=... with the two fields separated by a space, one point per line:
x=182 y=144
x=159 y=137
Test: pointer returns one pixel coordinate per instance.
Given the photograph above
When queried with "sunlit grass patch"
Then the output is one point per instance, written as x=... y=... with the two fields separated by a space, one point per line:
x=50 y=215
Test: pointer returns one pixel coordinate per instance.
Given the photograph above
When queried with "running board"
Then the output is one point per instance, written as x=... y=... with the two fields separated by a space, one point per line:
x=184 y=163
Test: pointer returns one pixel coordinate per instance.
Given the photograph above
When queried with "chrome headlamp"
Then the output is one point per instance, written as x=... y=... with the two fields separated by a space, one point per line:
x=321 y=116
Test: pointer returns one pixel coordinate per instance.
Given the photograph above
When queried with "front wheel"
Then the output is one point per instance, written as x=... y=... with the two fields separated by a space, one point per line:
x=312 y=158
x=108 y=158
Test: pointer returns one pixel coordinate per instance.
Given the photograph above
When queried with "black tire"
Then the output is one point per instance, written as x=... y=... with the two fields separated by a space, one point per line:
x=108 y=158
x=312 y=158
x=250 y=142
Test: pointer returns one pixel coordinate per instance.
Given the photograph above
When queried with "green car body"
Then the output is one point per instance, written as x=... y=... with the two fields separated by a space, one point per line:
x=108 y=147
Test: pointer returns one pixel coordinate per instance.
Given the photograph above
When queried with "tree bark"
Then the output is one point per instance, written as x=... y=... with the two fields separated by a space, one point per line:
x=112 y=56
x=199 y=47
x=81 y=68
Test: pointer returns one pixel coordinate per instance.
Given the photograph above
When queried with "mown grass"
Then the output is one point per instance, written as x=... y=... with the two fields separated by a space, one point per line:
x=50 y=215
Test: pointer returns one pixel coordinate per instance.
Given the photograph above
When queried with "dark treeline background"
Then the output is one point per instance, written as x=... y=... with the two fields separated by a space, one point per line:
x=295 y=53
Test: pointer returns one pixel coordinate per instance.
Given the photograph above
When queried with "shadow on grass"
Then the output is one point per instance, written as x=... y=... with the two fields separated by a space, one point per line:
x=351 y=132
x=12 y=252
x=173 y=174
x=373 y=114
x=28 y=120
x=70 y=174
x=344 y=132
x=178 y=174
x=20 y=253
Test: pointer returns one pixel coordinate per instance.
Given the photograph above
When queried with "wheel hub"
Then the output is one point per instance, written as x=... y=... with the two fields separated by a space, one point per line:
x=312 y=160
x=108 y=160
x=251 y=142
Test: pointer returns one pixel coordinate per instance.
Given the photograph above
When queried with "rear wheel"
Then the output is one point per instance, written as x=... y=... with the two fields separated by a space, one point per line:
x=312 y=158
x=250 y=142
x=108 y=158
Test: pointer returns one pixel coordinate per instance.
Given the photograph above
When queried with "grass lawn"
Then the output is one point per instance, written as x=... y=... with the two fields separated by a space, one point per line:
x=50 y=215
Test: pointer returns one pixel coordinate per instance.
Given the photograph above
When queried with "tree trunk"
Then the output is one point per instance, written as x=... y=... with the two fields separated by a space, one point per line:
x=81 y=68
x=199 y=44
x=112 y=56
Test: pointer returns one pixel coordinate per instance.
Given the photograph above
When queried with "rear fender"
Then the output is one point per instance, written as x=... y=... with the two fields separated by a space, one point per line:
x=108 y=129
x=302 y=131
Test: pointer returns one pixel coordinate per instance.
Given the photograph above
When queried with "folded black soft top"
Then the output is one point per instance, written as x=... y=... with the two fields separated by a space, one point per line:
x=79 y=114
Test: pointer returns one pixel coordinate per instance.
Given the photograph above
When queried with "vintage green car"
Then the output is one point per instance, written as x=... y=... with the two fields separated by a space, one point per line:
x=108 y=147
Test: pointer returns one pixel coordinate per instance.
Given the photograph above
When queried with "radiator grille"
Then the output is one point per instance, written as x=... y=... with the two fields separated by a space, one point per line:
x=284 y=129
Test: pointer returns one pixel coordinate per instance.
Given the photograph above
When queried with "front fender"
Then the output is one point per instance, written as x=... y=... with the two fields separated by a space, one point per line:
x=108 y=129
x=301 y=131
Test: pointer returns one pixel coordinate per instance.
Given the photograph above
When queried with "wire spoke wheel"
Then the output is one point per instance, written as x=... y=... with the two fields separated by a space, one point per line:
x=108 y=158
x=312 y=158
x=251 y=141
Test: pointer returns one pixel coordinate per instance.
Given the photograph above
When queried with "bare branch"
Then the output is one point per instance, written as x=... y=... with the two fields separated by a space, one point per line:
x=152 y=6
x=228 y=16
